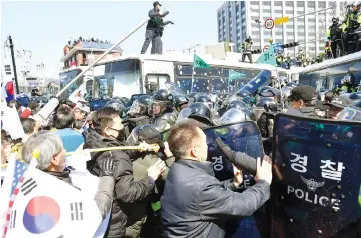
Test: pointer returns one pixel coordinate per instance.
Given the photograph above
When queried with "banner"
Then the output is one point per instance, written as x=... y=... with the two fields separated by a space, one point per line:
x=317 y=177
x=199 y=63
x=232 y=75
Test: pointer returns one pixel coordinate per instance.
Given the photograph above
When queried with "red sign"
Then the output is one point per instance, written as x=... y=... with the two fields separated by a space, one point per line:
x=265 y=48
x=269 y=23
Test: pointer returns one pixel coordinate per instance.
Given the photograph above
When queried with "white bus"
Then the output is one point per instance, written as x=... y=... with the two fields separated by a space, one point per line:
x=139 y=74
x=329 y=73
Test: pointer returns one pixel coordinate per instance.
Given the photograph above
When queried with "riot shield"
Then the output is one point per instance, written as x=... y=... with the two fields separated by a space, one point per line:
x=258 y=111
x=317 y=177
x=262 y=79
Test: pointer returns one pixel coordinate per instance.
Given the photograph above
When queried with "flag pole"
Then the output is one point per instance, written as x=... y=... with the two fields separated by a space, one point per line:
x=279 y=86
x=192 y=79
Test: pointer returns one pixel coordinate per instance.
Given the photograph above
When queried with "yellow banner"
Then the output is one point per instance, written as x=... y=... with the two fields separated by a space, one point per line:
x=282 y=20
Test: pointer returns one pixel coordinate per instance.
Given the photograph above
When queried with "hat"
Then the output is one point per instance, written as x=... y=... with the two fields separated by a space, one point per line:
x=340 y=102
x=156 y=3
x=303 y=92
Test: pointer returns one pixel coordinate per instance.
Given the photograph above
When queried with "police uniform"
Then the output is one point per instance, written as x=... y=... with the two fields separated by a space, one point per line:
x=246 y=50
x=153 y=32
x=334 y=34
x=353 y=21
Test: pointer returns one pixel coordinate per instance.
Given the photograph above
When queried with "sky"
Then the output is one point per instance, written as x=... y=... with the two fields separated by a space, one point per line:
x=44 y=27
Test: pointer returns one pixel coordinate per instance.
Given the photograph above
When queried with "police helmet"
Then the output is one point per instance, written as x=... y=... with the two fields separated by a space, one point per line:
x=232 y=116
x=194 y=96
x=239 y=104
x=206 y=101
x=243 y=93
x=200 y=112
x=119 y=106
x=23 y=99
x=161 y=101
x=349 y=78
x=266 y=101
x=335 y=19
x=145 y=133
x=140 y=106
x=180 y=100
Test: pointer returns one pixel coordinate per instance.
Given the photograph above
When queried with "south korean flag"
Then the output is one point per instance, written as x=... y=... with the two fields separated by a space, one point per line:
x=48 y=207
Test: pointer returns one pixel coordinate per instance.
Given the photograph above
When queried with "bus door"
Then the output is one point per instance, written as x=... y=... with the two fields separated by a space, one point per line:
x=154 y=82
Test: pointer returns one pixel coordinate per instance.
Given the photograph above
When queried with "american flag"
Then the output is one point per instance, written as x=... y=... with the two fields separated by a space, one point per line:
x=18 y=179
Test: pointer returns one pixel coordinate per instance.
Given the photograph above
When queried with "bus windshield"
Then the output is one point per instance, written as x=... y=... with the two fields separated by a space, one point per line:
x=66 y=77
x=121 y=78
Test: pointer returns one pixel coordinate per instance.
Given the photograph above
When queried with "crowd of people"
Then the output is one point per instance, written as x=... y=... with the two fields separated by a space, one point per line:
x=170 y=191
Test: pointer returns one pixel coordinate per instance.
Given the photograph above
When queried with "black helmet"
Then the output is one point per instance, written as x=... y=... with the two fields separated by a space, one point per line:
x=266 y=101
x=238 y=104
x=161 y=101
x=270 y=92
x=350 y=78
x=206 y=101
x=145 y=133
x=194 y=96
x=140 y=106
x=243 y=93
x=335 y=19
x=200 y=112
x=117 y=106
x=180 y=100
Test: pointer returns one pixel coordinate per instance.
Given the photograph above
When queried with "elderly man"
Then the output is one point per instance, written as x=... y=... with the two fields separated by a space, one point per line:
x=195 y=203
x=52 y=161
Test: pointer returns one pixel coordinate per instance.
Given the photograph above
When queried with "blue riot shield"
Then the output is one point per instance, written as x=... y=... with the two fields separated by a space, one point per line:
x=262 y=79
x=317 y=177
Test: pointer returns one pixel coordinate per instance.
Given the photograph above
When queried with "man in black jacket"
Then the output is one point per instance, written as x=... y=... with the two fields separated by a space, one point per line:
x=154 y=29
x=194 y=202
x=108 y=127
x=302 y=101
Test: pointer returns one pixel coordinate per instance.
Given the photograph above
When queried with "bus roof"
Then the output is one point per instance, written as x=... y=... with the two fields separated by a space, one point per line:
x=188 y=58
x=330 y=63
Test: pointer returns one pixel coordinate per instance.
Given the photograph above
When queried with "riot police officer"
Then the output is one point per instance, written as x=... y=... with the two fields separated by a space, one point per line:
x=246 y=49
x=353 y=22
x=300 y=57
x=138 y=112
x=161 y=108
x=279 y=58
x=334 y=34
x=154 y=28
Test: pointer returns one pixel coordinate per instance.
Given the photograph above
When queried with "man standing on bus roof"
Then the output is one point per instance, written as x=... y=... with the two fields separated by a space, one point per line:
x=154 y=28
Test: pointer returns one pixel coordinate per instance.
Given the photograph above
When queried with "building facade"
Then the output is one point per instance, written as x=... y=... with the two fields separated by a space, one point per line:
x=237 y=19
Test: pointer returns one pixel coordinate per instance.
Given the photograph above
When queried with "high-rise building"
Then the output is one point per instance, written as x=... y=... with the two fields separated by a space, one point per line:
x=237 y=19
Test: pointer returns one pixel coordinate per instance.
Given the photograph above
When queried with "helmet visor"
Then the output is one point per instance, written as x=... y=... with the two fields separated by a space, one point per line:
x=156 y=108
x=137 y=108
x=233 y=115
x=184 y=114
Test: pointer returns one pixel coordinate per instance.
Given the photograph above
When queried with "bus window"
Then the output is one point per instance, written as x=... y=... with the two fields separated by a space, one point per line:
x=65 y=78
x=103 y=87
x=201 y=85
x=218 y=85
x=154 y=82
x=334 y=80
x=126 y=74
x=184 y=83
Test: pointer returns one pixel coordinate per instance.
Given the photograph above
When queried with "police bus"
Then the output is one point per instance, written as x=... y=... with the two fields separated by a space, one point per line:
x=139 y=74
x=329 y=73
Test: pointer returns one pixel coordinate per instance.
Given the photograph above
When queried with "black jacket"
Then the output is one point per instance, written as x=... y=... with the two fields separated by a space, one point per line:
x=196 y=204
x=155 y=21
x=126 y=189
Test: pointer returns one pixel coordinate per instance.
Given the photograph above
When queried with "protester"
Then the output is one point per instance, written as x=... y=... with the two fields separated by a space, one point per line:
x=195 y=203
x=16 y=104
x=302 y=101
x=52 y=161
x=108 y=128
x=63 y=123
x=5 y=147
x=30 y=127
x=30 y=110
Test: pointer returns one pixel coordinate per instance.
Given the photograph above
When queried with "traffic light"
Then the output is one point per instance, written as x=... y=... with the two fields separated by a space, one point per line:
x=256 y=52
x=290 y=45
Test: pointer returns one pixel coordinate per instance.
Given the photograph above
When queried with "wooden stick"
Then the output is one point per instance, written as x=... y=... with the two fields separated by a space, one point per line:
x=111 y=148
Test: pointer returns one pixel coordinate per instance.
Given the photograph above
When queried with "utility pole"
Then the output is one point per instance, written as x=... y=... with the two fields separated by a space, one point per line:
x=14 y=64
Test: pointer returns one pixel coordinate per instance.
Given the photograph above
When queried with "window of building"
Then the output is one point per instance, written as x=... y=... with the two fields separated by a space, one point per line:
x=278 y=11
x=266 y=3
x=278 y=3
x=266 y=10
x=322 y=4
x=289 y=26
x=237 y=8
x=288 y=12
x=289 y=3
x=300 y=4
x=253 y=18
x=254 y=2
x=311 y=4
